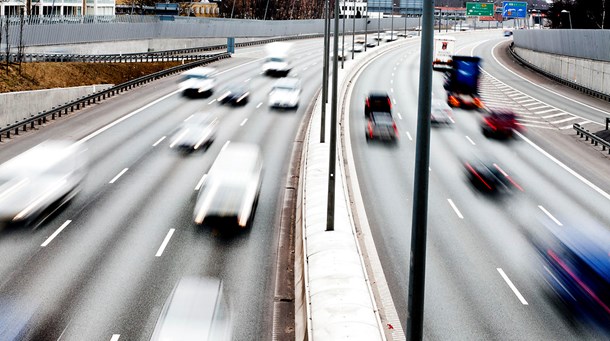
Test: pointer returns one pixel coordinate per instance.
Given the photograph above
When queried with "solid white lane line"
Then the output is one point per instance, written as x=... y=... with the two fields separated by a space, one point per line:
x=459 y=214
x=550 y=215
x=165 y=241
x=259 y=105
x=471 y=141
x=212 y=101
x=538 y=108
x=568 y=169
x=115 y=337
x=566 y=120
x=159 y=141
x=200 y=183
x=554 y=115
x=409 y=136
x=521 y=97
x=512 y=286
x=530 y=101
x=545 y=111
x=527 y=105
x=188 y=118
x=243 y=122
x=63 y=226
x=118 y=176
x=399 y=116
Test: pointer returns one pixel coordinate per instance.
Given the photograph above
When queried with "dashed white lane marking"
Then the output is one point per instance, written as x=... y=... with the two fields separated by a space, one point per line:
x=471 y=141
x=305 y=68
x=165 y=241
x=392 y=74
x=247 y=80
x=115 y=337
x=550 y=215
x=546 y=111
x=58 y=231
x=118 y=176
x=459 y=214
x=212 y=101
x=392 y=90
x=159 y=141
x=259 y=105
x=512 y=286
x=188 y=118
x=399 y=115
x=394 y=99
x=566 y=120
x=554 y=115
x=243 y=122
x=409 y=136
x=200 y=183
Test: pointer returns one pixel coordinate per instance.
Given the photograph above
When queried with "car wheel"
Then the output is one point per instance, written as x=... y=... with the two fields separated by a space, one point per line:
x=485 y=132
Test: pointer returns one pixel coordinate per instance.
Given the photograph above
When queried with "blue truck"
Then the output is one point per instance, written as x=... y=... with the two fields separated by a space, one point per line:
x=462 y=83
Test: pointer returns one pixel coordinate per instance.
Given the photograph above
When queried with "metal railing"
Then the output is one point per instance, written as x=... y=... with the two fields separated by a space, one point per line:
x=596 y=140
x=42 y=117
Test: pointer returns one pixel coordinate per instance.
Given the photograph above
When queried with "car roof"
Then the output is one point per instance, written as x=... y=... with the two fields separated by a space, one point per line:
x=199 y=71
x=287 y=82
x=378 y=94
x=236 y=157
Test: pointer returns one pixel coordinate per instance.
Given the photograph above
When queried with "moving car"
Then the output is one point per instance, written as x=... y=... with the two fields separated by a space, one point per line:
x=277 y=62
x=377 y=101
x=488 y=177
x=197 y=309
x=380 y=125
x=285 y=93
x=441 y=113
x=500 y=123
x=198 y=82
x=236 y=94
x=358 y=47
x=197 y=132
x=371 y=43
x=37 y=182
x=229 y=193
x=390 y=36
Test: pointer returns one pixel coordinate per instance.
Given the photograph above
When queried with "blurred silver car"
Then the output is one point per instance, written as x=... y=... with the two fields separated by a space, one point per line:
x=196 y=309
x=197 y=132
x=37 y=182
x=229 y=193
x=441 y=113
x=285 y=93
x=198 y=82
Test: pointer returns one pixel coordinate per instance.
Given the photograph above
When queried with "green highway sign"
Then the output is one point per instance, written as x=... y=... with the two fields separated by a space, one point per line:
x=478 y=9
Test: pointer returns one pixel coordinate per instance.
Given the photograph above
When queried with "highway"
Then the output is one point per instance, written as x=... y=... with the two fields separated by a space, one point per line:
x=128 y=237
x=483 y=276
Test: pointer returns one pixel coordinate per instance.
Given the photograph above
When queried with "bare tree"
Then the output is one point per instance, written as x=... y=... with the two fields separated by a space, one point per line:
x=8 y=45
x=20 y=47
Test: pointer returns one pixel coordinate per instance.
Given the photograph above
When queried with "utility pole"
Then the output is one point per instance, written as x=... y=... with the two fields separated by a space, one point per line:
x=330 y=205
x=353 y=28
x=325 y=69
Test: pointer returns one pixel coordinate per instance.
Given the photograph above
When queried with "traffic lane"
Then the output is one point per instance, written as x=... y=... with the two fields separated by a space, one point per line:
x=537 y=86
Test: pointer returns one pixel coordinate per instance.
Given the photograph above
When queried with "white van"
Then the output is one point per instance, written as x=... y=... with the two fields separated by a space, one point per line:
x=444 y=48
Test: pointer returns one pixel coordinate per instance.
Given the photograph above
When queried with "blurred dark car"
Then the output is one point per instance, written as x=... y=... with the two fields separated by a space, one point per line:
x=576 y=266
x=500 y=124
x=197 y=132
x=488 y=177
x=235 y=95
x=381 y=126
x=378 y=101
x=196 y=309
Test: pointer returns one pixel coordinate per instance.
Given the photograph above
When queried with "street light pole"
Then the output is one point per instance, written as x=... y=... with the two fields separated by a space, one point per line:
x=343 y=41
x=366 y=26
x=569 y=16
x=353 y=28
x=392 y=25
x=378 y=24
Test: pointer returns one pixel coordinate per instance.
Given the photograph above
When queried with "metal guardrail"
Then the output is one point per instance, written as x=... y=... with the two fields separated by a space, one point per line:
x=42 y=117
x=576 y=86
x=596 y=140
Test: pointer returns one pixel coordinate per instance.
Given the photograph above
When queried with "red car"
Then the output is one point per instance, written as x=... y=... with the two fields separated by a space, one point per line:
x=500 y=123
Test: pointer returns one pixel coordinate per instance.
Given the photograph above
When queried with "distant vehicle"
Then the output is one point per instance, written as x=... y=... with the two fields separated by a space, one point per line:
x=441 y=113
x=341 y=54
x=390 y=36
x=277 y=63
x=198 y=132
x=360 y=40
x=285 y=93
x=381 y=125
x=462 y=82
x=39 y=181
x=197 y=309
x=357 y=47
x=576 y=267
x=371 y=43
x=463 y=27
x=405 y=34
x=236 y=94
x=377 y=101
x=444 y=48
x=507 y=32
x=500 y=124
x=229 y=194
x=488 y=177
x=198 y=82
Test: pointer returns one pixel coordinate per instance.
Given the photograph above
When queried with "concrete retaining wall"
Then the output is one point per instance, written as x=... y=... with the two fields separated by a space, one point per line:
x=15 y=106
x=591 y=74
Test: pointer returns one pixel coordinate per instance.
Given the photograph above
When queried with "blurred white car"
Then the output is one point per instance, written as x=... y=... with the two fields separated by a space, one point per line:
x=198 y=131
x=390 y=36
x=197 y=309
x=229 y=193
x=285 y=93
x=198 y=82
x=39 y=181
x=358 y=47
x=277 y=62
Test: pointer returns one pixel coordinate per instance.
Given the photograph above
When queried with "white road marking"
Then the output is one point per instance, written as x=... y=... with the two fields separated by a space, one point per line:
x=550 y=215
x=212 y=101
x=392 y=74
x=259 y=105
x=247 y=80
x=521 y=97
x=115 y=337
x=566 y=120
x=459 y=214
x=392 y=89
x=305 y=68
x=471 y=141
x=165 y=241
x=538 y=108
x=188 y=118
x=399 y=115
x=243 y=122
x=528 y=101
x=545 y=111
x=159 y=141
x=512 y=286
x=63 y=226
x=200 y=183
x=394 y=99
x=527 y=105
x=537 y=126
x=391 y=81
x=566 y=168
x=567 y=127
x=554 y=115
x=409 y=136
x=118 y=176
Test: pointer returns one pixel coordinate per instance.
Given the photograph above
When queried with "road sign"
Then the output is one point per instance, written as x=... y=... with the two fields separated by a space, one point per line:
x=514 y=9
x=478 y=9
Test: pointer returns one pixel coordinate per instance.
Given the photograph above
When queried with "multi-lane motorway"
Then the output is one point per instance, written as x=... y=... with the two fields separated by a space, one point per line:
x=128 y=237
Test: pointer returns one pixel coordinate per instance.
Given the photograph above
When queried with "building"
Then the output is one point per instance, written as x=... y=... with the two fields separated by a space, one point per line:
x=349 y=9
x=202 y=8
x=58 y=7
x=401 y=7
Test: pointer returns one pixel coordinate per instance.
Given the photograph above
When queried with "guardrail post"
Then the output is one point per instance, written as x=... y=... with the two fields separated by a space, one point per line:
x=607 y=122
x=16 y=129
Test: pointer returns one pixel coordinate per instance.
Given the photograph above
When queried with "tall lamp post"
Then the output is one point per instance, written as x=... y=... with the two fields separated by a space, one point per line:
x=569 y=16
